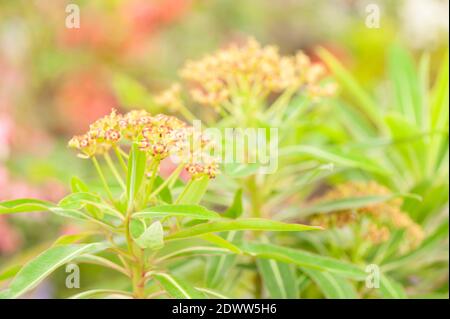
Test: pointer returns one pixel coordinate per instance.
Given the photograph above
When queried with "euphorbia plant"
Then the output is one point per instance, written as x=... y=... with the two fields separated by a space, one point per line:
x=134 y=226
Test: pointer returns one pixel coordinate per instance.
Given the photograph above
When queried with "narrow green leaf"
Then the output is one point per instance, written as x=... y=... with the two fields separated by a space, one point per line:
x=364 y=101
x=176 y=287
x=220 y=242
x=337 y=157
x=241 y=224
x=279 y=278
x=238 y=170
x=391 y=289
x=101 y=292
x=236 y=209
x=195 y=251
x=190 y=211
x=77 y=185
x=24 y=205
x=194 y=192
x=43 y=265
x=304 y=259
x=78 y=200
x=219 y=266
x=332 y=285
x=136 y=170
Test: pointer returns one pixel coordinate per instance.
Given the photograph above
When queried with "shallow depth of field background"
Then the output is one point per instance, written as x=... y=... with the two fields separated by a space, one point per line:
x=54 y=81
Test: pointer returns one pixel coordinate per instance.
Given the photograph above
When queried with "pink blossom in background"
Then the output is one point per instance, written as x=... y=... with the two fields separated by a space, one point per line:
x=6 y=129
x=82 y=98
x=167 y=167
x=9 y=238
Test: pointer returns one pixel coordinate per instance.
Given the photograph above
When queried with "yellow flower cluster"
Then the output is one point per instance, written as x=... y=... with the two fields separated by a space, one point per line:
x=384 y=216
x=255 y=69
x=160 y=136
x=170 y=98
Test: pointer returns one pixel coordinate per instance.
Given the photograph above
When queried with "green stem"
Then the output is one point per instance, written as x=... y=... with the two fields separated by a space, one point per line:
x=168 y=182
x=255 y=198
x=102 y=177
x=120 y=158
x=116 y=174
x=186 y=188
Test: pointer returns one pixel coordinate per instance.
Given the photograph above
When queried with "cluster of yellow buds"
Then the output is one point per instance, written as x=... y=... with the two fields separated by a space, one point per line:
x=170 y=98
x=102 y=134
x=383 y=216
x=255 y=69
x=160 y=135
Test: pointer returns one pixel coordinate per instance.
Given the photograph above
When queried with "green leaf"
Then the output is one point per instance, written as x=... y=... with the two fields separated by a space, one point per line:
x=165 y=193
x=72 y=238
x=241 y=224
x=152 y=237
x=9 y=272
x=177 y=288
x=303 y=259
x=279 y=278
x=24 y=205
x=220 y=242
x=337 y=157
x=43 y=265
x=136 y=170
x=238 y=170
x=78 y=200
x=190 y=211
x=391 y=289
x=132 y=93
x=236 y=209
x=194 y=191
x=100 y=292
x=407 y=87
x=331 y=285
x=219 y=266
x=212 y=293
x=364 y=101
x=77 y=185
x=195 y=251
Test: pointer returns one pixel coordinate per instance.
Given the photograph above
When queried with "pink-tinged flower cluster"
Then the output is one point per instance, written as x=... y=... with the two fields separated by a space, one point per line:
x=160 y=136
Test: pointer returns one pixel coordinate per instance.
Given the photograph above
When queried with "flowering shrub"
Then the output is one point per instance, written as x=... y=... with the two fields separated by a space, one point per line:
x=246 y=238
x=139 y=223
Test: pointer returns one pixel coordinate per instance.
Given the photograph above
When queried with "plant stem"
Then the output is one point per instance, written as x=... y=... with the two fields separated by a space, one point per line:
x=186 y=188
x=112 y=167
x=119 y=156
x=168 y=182
x=255 y=198
x=102 y=177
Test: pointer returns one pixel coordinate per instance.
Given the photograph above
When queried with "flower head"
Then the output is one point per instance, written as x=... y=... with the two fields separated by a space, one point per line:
x=254 y=68
x=383 y=217
x=160 y=136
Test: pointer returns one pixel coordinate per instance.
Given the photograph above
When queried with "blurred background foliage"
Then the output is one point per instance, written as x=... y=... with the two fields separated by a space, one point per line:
x=54 y=81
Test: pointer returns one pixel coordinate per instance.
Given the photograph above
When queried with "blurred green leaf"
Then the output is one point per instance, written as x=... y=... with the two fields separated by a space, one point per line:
x=236 y=209
x=304 y=259
x=279 y=279
x=331 y=285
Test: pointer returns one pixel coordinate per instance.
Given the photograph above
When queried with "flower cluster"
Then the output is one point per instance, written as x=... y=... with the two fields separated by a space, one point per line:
x=160 y=136
x=251 y=67
x=383 y=216
x=170 y=98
